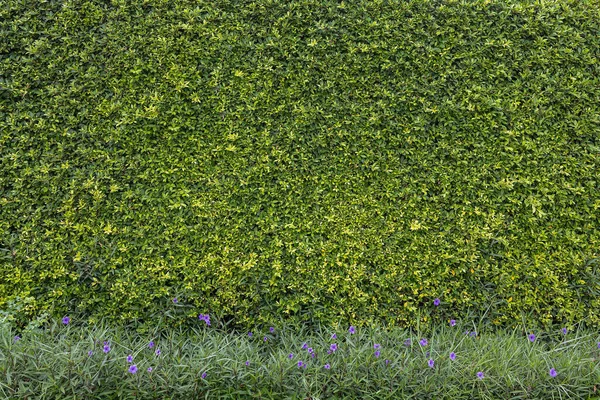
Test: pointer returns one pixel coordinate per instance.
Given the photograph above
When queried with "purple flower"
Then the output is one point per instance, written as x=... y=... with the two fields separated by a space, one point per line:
x=423 y=342
x=249 y=334
x=90 y=353
x=376 y=346
x=291 y=355
x=473 y=334
x=133 y=369
x=452 y=356
x=327 y=366
x=106 y=348
x=553 y=372
x=149 y=369
x=310 y=350
x=16 y=339
x=333 y=347
x=431 y=363
x=271 y=329
x=352 y=330
x=334 y=336
x=204 y=375
x=531 y=338
x=157 y=352
x=328 y=351
x=599 y=345
x=313 y=355
x=151 y=345
x=175 y=300
x=106 y=343
x=480 y=375
x=205 y=318
x=387 y=362
x=436 y=302
x=452 y=322
x=265 y=338
x=247 y=363
x=66 y=320
x=300 y=364
x=377 y=353
x=304 y=346
x=564 y=331
x=129 y=358
x=407 y=342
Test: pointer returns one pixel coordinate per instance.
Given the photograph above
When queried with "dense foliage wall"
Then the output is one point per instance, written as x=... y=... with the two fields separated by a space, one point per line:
x=311 y=159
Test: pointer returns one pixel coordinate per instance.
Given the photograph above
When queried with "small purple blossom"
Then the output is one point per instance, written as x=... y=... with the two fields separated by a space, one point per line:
x=387 y=362
x=452 y=322
x=300 y=364
x=16 y=339
x=313 y=355
x=310 y=350
x=452 y=356
x=106 y=348
x=564 y=331
x=66 y=320
x=473 y=334
x=333 y=347
x=436 y=302
x=133 y=369
x=352 y=330
x=599 y=345
x=247 y=363
x=531 y=338
x=431 y=363
x=157 y=352
x=106 y=343
x=249 y=334
x=377 y=353
x=204 y=375
x=271 y=329
x=130 y=359
x=149 y=369
x=423 y=342
x=304 y=346
x=151 y=344
x=327 y=366
x=175 y=300
x=90 y=353
x=291 y=355
x=265 y=338
x=205 y=318
x=407 y=342
x=376 y=346
x=480 y=375
x=553 y=372
x=334 y=336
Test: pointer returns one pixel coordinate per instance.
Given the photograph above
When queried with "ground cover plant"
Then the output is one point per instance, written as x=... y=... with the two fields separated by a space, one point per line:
x=456 y=361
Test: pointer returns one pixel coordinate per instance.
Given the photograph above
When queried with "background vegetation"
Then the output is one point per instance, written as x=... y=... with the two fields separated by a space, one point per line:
x=310 y=160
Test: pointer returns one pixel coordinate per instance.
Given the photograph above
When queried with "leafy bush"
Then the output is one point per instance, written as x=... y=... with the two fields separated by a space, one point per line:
x=309 y=160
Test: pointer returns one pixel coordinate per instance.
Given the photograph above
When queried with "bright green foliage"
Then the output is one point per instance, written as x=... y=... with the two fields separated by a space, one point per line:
x=311 y=160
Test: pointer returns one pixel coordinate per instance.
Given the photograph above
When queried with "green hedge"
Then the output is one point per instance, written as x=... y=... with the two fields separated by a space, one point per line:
x=312 y=160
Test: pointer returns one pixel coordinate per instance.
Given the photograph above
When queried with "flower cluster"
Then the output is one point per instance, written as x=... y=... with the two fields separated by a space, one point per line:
x=205 y=318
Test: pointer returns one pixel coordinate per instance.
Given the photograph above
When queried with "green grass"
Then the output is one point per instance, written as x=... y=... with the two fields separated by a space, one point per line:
x=52 y=361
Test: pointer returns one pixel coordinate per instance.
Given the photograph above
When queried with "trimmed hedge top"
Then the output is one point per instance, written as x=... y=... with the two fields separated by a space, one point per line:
x=308 y=160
